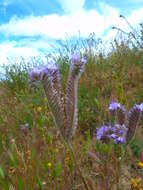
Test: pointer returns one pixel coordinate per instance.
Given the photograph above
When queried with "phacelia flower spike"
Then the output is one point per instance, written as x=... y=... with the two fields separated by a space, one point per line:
x=133 y=117
x=63 y=106
x=76 y=69
x=124 y=130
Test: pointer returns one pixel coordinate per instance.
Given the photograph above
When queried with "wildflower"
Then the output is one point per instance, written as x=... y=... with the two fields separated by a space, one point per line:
x=114 y=106
x=116 y=132
x=140 y=164
x=101 y=132
x=75 y=58
x=63 y=112
x=38 y=72
x=49 y=164
x=39 y=109
x=141 y=107
x=136 y=183
x=133 y=183
x=77 y=63
x=119 y=140
x=35 y=73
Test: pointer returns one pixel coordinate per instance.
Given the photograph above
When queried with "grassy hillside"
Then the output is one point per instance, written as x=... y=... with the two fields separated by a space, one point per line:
x=32 y=154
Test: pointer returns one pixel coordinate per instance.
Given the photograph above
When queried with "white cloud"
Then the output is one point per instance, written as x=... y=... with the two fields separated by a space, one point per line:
x=9 y=50
x=55 y=26
x=136 y=17
x=71 y=6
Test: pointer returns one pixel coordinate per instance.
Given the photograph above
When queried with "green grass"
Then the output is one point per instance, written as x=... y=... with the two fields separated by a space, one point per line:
x=36 y=158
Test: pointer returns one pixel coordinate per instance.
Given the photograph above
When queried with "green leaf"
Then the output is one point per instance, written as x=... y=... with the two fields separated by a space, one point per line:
x=39 y=181
x=20 y=184
x=1 y=173
x=58 y=169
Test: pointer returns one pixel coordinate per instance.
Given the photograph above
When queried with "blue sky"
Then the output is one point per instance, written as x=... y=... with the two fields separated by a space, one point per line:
x=30 y=27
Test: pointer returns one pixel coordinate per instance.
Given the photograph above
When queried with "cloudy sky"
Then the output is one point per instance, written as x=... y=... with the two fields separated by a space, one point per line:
x=30 y=27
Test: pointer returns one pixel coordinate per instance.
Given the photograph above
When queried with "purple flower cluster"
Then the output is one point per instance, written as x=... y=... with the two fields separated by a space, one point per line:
x=38 y=72
x=126 y=127
x=117 y=133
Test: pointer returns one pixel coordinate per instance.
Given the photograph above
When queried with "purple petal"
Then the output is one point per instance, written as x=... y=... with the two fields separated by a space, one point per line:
x=113 y=136
x=36 y=73
x=119 y=140
x=76 y=57
x=114 y=106
x=101 y=132
x=141 y=106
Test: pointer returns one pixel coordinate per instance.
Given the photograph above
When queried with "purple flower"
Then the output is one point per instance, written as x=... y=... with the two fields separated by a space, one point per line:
x=137 y=106
x=121 y=132
x=83 y=60
x=75 y=57
x=101 y=131
x=38 y=72
x=77 y=64
x=141 y=106
x=113 y=136
x=116 y=132
x=34 y=73
x=114 y=106
x=119 y=140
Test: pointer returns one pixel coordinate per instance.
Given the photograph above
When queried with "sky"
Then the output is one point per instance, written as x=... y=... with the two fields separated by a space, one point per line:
x=32 y=27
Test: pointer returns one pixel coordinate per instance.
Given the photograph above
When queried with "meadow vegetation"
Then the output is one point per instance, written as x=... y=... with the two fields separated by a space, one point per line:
x=34 y=156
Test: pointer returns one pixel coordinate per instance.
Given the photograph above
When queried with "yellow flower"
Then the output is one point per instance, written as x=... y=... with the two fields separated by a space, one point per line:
x=140 y=164
x=49 y=164
x=39 y=109
x=133 y=183
x=136 y=183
